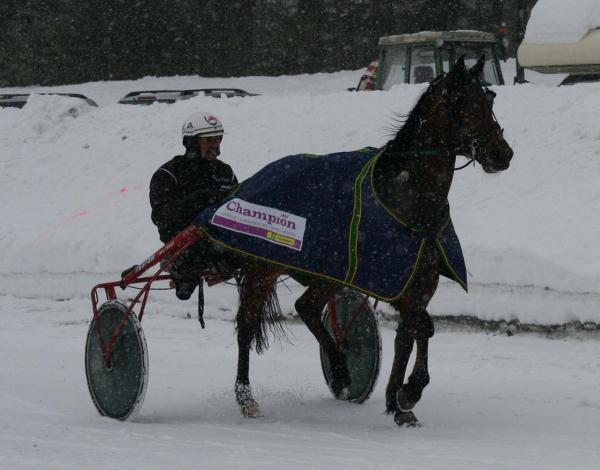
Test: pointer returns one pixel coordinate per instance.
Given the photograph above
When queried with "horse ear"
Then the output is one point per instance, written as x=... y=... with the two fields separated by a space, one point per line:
x=460 y=63
x=458 y=74
x=477 y=69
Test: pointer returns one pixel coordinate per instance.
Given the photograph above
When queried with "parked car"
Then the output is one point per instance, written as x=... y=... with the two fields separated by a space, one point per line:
x=575 y=78
x=171 y=96
x=420 y=57
x=18 y=100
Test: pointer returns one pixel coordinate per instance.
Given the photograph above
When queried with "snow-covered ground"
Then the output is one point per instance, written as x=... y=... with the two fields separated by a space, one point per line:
x=494 y=403
x=73 y=181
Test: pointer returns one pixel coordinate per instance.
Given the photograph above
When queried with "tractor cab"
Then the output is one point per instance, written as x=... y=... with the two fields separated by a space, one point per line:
x=420 y=57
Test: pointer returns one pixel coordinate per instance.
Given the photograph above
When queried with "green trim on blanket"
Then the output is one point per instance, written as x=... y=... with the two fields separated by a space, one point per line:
x=446 y=261
x=355 y=222
x=392 y=215
x=412 y=228
x=414 y=269
x=312 y=155
x=389 y=211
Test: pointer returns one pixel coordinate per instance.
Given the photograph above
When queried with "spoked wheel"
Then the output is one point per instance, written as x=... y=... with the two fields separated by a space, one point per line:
x=118 y=387
x=356 y=319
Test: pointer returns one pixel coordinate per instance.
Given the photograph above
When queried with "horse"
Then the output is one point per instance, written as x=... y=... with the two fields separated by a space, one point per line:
x=453 y=116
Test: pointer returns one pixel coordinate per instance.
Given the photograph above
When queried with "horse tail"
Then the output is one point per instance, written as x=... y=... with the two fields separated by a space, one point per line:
x=269 y=314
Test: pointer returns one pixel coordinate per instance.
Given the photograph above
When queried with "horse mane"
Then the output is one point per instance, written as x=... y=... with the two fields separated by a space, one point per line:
x=405 y=125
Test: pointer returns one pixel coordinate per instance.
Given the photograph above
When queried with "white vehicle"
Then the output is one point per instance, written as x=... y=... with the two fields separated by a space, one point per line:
x=581 y=57
x=561 y=40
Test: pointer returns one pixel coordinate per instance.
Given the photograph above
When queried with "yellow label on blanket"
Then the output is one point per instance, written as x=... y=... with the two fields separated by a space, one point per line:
x=281 y=238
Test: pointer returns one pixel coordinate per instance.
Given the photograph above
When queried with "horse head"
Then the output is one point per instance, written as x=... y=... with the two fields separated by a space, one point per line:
x=474 y=130
x=454 y=116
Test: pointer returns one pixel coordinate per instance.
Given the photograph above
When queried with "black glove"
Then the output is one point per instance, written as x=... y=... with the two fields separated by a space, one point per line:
x=226 y=189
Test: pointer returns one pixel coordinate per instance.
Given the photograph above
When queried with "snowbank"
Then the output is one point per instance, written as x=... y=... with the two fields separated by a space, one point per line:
x=74 y=184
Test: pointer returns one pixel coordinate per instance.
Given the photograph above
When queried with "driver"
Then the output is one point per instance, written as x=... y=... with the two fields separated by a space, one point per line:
x=184 y=186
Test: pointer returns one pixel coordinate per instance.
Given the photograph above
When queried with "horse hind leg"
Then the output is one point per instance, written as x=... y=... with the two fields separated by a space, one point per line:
x=256 y=287
x=310 y=308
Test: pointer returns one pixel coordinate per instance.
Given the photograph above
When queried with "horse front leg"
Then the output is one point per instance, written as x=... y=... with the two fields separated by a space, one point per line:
x=401 y=398
x=403 y=346
x=256 y=287
x=408 y=394
x=415 y=325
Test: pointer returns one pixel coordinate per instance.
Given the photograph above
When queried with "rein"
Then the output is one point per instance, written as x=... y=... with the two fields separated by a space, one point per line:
x=442 y=153
x=471 y=160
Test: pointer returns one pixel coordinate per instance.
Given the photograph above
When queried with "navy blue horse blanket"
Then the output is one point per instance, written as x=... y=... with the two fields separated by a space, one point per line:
x=320 y=216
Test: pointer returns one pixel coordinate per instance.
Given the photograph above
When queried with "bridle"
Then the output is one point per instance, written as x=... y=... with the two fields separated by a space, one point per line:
x=473 y=144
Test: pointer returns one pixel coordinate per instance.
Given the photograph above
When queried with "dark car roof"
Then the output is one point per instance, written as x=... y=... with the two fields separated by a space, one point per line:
x=574 y=78
x=171 y=96
x=18 y=100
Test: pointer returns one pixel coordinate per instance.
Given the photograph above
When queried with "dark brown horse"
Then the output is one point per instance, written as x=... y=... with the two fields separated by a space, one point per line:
x=413 y=176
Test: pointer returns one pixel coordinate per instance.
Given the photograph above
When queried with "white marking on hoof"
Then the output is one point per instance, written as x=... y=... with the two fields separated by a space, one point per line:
x=251 y=410
x=343 y=394
x=248 y=405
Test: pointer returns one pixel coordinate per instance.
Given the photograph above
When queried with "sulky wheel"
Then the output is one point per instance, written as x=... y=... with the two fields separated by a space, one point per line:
x=119 y=387
x=362 y=346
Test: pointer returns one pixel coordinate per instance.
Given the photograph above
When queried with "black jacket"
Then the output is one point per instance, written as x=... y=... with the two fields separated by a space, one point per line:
x=184 y=186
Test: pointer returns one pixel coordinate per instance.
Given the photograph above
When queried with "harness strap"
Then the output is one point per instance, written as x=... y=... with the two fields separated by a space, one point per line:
x=427 y=153
x=434 y=153
x=471 y=160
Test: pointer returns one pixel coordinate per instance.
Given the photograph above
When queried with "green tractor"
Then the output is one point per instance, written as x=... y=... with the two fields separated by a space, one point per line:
x=420 y=57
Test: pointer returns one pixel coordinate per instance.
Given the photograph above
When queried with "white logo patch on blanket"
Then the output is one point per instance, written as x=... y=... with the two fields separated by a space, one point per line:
x=268 y=223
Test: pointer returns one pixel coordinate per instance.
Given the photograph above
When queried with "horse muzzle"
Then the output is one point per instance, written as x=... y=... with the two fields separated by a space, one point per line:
x=497 y=162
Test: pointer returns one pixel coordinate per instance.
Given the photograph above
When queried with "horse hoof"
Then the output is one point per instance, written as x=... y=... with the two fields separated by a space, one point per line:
x=402 y=401
x=251 y=410
x=406 y=419
x=343 y=394
x=340 y=384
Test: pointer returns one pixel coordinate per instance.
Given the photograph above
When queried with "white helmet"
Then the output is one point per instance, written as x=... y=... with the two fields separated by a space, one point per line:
x=202 y=124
